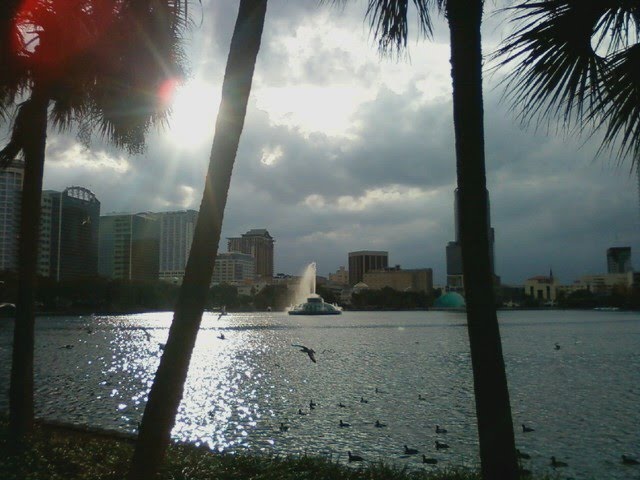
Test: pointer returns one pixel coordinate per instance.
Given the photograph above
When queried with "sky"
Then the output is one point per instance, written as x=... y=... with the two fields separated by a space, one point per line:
x=345 y=150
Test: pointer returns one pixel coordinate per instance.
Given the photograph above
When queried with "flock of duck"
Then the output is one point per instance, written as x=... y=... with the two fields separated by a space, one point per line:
x=555 y=463
x=439 y=445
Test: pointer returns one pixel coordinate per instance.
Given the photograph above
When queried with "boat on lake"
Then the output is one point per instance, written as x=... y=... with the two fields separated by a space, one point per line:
x=315 y=305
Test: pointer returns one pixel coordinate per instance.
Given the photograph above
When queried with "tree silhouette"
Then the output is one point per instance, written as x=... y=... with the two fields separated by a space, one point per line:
x=97 y=64
x=168 y=386
x=389 y=21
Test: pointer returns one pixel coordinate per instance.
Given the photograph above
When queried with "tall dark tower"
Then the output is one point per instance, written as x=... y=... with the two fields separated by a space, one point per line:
x=75 y=219
x=619 y=260
x=259 y=244
x=454 y=249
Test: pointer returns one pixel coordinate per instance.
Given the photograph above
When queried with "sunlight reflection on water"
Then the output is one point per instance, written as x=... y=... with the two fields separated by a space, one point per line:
x=581 y=399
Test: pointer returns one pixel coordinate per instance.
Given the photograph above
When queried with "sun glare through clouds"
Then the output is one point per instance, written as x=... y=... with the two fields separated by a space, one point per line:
x=193 y=115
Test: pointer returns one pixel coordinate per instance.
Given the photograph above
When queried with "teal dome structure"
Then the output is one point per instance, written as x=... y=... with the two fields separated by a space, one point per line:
x=450 y=300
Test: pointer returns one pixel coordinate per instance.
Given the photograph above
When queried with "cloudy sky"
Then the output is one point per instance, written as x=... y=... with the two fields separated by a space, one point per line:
x=343 y=150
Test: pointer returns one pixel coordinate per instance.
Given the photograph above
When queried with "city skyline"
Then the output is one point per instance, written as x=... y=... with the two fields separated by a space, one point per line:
x=171 y=243
x=344 y=151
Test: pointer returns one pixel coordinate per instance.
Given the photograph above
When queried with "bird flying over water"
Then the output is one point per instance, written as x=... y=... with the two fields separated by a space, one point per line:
x=309 y=351
x=146 y=333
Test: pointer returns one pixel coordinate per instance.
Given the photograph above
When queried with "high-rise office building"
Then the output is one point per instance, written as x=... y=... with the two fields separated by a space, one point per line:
x=259 y=244
x=234 y=267
x=364 y=261
x=10 y=201
x=454 y=249
x=619 y=260
x=44 y=240
x=413 y=280
x=70 y=219
x=129 y=246
x=176 y=235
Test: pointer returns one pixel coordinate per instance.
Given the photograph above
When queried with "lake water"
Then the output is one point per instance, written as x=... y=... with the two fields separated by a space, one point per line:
x=582 y=400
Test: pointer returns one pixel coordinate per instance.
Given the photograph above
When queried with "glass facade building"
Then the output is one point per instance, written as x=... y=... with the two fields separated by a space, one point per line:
x=129 y=246
x=10 y=201
x=74 y=223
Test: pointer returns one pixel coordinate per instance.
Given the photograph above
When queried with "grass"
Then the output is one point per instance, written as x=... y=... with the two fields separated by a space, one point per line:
x=63 y=452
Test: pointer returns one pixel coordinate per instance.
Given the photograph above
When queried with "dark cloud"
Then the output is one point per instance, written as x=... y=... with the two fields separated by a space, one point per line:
x=387 y=181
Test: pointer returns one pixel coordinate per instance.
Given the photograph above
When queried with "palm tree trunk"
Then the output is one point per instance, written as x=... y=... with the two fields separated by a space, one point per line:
x=33 y=147
x=168 y=386
x=495 y=426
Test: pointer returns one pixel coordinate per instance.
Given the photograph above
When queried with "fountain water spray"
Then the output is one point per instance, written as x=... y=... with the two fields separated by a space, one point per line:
x=307 y=285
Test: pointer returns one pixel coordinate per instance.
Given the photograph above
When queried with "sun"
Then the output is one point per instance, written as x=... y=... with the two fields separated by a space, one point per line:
x=193 y=115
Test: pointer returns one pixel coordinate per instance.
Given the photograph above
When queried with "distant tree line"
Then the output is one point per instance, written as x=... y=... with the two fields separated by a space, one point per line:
x=103 y=295
x=620 y=296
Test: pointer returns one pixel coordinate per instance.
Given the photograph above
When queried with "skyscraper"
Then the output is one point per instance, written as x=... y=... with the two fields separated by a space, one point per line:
x=44 y=239
x=129 y=246
x=259 y=244
x=10 y=201
x=233 y=268
x=364 y=261
x=619 y=260
x=71 y=219
x=454 y=249
x=176 y=236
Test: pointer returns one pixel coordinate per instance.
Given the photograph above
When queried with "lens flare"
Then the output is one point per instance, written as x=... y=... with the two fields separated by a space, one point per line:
x=167 y=91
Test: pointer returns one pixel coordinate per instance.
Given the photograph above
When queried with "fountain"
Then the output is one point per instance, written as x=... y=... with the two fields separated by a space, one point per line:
x=306 y=301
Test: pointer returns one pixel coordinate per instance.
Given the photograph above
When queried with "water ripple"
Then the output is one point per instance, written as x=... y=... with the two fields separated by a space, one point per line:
x=410 y=370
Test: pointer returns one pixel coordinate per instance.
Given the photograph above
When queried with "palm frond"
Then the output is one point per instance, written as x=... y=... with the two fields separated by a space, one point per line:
x=11 y=52
x=18 y=137
x=556 y=72
x=390 y=23
x=555 y=69
x=106 y=72
x=146 y=55
x=389 y=20
x=620 y=106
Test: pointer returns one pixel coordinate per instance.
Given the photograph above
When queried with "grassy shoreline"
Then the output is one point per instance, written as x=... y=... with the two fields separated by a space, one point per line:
x=60 y=451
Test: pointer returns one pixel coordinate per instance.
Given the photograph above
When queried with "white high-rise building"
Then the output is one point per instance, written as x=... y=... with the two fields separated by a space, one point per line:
x=234 y=268
x=10 y=200
x=44 y=242
x=176 y=235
